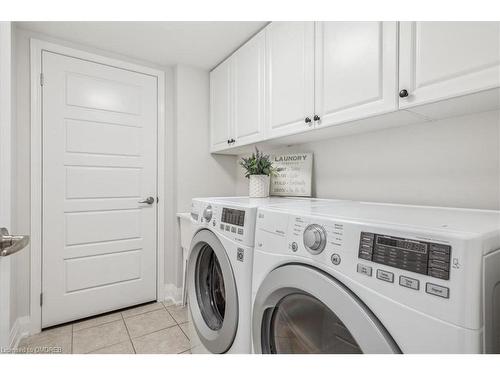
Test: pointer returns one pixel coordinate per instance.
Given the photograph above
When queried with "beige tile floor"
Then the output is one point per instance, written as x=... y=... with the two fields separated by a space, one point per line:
x=146 y=329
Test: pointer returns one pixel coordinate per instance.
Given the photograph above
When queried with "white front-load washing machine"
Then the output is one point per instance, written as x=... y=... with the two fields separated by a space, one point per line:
x=355 y=277
x=219 y=275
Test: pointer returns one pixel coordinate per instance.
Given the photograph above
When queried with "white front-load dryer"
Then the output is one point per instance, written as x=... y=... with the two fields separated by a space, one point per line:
x=356 y=277
x=219 y=275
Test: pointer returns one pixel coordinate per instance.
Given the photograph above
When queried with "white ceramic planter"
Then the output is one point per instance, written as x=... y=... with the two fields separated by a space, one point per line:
x=259 y=186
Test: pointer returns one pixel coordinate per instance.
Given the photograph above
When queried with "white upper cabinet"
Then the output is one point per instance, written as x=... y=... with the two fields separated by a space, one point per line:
x=290 y=77
x=220 y=106
x=248 y=65
x=293 y=77
x=355 y=69
x=441 y=60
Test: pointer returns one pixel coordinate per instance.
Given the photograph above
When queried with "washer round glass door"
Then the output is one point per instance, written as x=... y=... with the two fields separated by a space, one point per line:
x=300 y=309
x=212 y=292
x=210 y=289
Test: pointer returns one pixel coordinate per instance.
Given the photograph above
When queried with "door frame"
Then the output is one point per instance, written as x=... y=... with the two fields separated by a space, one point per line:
x=36 y=48
x=6 y=170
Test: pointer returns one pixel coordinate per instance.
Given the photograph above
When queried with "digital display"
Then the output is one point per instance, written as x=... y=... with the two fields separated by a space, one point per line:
x=234 y=217
x=426 y=258
x=418 y=247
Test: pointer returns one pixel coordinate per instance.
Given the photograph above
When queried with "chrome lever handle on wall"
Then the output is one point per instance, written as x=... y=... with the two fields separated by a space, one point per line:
x=148 y=200
x=11 y=244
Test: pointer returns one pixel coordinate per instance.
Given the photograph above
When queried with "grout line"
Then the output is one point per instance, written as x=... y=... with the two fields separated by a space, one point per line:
x=98 y=325
x=158 y=330
x=107 y=346
x=128 y=333
x=185 y=334
x=142 y=313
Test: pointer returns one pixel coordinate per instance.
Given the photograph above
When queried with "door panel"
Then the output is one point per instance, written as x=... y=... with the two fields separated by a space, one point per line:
x=440 y=60
x=102 y=94
x=356 y=70
x=98 y=270
x=249 y=90
x=220 y=106
x=290 y=76
x=93 y=138
x=99 y=160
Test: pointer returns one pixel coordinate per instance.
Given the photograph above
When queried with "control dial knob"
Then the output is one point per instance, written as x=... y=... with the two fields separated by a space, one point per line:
x=207 y=213
x=314 y=238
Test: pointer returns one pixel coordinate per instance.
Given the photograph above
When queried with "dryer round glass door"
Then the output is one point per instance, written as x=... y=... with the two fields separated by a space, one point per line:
x=301 y=309
x=212 y=298
x=303 y=324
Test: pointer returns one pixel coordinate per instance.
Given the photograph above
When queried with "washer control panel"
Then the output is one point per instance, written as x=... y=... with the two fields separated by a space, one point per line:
x=426 y=258
x=234 y=222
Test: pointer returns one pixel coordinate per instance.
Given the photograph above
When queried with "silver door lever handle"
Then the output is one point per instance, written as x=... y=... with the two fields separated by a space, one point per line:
x=148 y=200
x=10 y=244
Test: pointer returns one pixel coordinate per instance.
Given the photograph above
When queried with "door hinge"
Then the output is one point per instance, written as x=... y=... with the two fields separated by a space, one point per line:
x=41 y=79
x=41 y=299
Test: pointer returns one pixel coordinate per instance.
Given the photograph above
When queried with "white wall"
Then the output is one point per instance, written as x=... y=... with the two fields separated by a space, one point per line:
x=197 y=172
x=452 y=162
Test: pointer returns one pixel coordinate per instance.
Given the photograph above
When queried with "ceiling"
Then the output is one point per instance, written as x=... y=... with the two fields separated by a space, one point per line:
x=200 y=44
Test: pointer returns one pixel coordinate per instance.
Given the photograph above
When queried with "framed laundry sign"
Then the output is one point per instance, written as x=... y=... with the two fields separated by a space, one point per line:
x=294 y=174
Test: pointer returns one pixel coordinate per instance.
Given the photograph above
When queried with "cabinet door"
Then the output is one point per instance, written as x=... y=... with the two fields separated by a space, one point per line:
x=290 y=77
x=248 y=87
x=220 y=106
x=440 y=60
x=356 y=70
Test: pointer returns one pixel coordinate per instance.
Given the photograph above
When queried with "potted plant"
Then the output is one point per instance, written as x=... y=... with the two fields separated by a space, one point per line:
x=258 y=168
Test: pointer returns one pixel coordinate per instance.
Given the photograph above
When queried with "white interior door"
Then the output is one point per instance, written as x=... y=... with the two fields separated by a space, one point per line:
x=290 y=77
x=99 y=161
x=441 y=60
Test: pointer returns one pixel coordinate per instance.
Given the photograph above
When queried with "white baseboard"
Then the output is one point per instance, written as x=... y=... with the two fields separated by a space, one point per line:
x=173 y=294
x=19 y=330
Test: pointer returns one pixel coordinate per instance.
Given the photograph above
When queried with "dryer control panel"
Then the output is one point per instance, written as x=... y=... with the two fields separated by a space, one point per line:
x=426 y=258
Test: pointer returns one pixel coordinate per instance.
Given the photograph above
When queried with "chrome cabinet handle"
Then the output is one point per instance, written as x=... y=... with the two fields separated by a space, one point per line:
x=148 y=200
x=10 y=244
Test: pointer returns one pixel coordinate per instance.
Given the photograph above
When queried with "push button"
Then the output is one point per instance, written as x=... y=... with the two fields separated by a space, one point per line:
x=222 y=226
x=227 y=228
x=442 y=248
x=240 y=231
x=336 y=259
x=385 y=276
x=365 y=270
x=438 y=255
x=233 y=229
x=438 y=273
x=437 y=290
x=408 y=282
